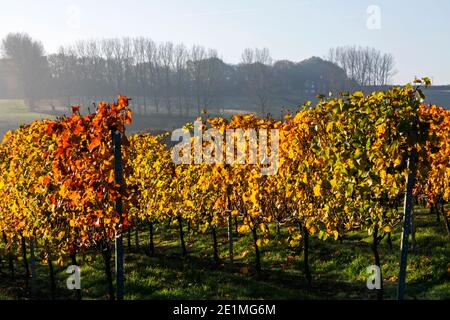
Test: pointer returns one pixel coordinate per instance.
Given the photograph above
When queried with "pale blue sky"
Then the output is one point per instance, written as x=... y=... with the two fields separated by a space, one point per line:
x=416 y=32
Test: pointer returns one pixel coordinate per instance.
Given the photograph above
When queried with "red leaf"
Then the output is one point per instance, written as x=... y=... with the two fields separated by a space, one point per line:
x=75 y=109
x=50 y=128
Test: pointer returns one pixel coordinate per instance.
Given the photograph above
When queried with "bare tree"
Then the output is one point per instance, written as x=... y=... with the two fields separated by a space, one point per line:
x=366 y=66
x=128 y=64
x=256 y=64
x=140 y=73
x=181 y=78
x=197 y=55
x=152 y=73
x=214 y=78
x=387 y=69
x=107 y=49
x=63 y=66
x=166 y=54
x=206 y=71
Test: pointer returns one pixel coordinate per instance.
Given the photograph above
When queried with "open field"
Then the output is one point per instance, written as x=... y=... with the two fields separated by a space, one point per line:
x=14 y=113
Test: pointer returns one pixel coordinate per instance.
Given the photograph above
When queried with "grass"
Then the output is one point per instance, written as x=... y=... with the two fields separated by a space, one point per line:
x=339 y=269
x=15 y=112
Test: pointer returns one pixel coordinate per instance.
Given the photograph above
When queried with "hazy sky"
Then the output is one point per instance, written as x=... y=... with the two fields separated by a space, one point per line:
x=416 y=32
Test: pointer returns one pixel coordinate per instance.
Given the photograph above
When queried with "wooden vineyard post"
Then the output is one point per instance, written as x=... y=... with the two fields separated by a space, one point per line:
x=229 y=222
x=407 y=209
x=25 y=262
x=33 y=269
x=118 y=174
x=10 y=256
x=230 y=238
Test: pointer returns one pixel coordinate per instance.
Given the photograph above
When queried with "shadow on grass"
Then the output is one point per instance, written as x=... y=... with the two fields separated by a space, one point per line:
x=338 y=269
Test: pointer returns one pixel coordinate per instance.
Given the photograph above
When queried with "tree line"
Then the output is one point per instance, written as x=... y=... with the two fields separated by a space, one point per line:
x=163 y=76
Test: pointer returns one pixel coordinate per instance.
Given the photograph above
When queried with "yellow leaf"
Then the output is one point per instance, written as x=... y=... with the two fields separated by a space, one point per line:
x=305 y=178
x=358 y=94
x=294 y=243
x=329 y=127
x=189 y=203
x=394 y=189
x=60 y=262
x=111 y=177
x=262 y=227
x=63 y=191
x=317 y=190
x=336 y=235
x=333 y=182
x=253 y=197
x=243 y=228
x=387 y=229
x=383 y=174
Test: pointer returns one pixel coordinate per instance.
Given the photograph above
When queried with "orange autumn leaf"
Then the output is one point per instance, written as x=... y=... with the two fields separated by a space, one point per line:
x=94 y=144
x=46 y=181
